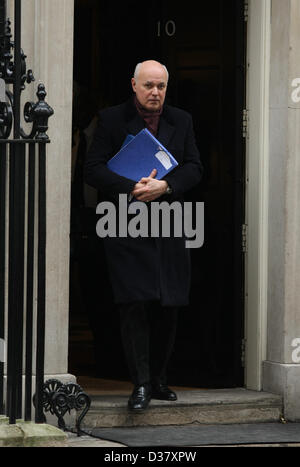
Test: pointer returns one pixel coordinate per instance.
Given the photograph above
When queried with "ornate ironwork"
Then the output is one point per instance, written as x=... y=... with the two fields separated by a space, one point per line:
x=7 y=67
x=38 y=114
x=35 y=113
x=6 y=45
x=6 y=116
x=59 y=399
x=23 y=206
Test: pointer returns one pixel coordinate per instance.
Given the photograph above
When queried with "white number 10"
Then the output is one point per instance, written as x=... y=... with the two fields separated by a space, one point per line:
x=170 y=28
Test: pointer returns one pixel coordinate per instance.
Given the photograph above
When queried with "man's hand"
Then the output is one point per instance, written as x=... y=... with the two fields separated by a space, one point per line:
x=148 y=188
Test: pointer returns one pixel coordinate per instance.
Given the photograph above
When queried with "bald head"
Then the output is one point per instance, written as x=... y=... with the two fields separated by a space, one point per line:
x=149 y=65
x=150 y=84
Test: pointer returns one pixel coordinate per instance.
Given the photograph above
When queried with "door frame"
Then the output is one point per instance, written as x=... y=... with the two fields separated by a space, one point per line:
x=257 y=189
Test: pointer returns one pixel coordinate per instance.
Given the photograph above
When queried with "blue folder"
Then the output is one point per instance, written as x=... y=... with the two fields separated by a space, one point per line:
x=139 y=155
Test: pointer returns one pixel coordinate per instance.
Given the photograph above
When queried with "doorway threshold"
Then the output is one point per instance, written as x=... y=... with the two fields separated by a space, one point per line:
x=194 y=406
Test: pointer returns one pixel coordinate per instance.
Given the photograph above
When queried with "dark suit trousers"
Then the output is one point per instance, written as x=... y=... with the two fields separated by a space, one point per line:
x=148 y=333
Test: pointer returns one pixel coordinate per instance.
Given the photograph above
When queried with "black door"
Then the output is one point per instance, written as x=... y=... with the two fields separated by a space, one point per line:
x=203 y=49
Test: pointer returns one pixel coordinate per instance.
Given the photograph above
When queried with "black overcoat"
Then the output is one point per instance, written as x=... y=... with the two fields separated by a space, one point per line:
x=145 y=268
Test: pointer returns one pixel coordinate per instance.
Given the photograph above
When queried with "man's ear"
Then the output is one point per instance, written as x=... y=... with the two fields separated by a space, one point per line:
x=133 y=84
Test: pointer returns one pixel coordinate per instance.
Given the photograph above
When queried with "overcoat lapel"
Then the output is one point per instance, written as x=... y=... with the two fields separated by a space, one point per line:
x=165 y=131
x=133 y=121
x=135 y=125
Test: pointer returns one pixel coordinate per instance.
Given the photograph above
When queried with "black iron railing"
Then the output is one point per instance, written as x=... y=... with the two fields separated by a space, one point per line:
x=22 y=228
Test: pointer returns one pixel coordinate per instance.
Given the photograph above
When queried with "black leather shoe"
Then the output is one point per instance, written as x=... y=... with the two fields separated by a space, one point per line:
x=140 y=398
x=162 y=392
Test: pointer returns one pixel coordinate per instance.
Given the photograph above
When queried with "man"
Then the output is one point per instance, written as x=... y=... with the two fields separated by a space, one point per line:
x=150 y=276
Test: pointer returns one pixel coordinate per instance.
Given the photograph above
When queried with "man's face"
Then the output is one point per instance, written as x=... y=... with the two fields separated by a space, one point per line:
x=150 y=86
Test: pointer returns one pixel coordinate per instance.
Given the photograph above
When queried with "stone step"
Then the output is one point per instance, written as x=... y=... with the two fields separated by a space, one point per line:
x=211 y=406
